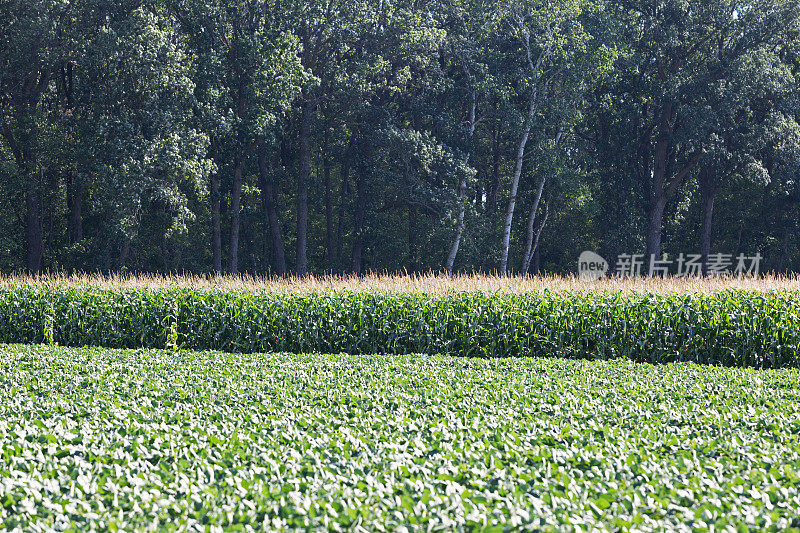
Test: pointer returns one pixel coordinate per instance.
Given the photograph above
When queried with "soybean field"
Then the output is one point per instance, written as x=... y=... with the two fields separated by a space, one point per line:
x=128 y=440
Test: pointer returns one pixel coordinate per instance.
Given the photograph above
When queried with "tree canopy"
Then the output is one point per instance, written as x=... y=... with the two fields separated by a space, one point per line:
x=280 y=137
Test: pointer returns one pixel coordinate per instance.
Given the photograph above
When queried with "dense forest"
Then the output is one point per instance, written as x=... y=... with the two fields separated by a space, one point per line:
x=298 y=137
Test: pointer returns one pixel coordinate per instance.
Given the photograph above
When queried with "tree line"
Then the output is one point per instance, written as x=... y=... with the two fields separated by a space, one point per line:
x=289 y=137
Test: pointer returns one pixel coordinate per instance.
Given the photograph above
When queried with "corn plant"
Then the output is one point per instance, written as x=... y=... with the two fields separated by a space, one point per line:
x=732 y=327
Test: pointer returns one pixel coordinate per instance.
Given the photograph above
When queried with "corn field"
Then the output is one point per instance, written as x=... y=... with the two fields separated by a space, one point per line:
x=752 y=323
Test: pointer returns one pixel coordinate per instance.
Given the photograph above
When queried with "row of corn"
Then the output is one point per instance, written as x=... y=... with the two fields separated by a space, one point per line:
x=737 y=328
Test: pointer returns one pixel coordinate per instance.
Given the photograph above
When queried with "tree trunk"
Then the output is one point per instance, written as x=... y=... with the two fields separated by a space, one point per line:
x=658 y=195
x=656 y=221
x=33 y=230
x=413 y=264
x=462 y=190
x=538 y=237
x=344 y=190
x=512 y=198
x=531 y=233
x=23 y=154
x=533 y=236
x=247 y=256
x=301 y=267
x=660 y=190
x=216 y=226
x=269 y=196
x=358 y=222
x=75 y=205
x=329 y=244
x=236 y=204
x=536 y=266
x=708 y=193
x=125 y=252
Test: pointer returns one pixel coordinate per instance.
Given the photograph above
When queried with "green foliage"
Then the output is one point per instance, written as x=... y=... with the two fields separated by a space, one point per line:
x=165 y=135
x=153 y=440
x=733 y=328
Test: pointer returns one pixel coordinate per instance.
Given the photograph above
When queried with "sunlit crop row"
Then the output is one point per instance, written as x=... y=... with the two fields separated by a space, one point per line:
x=107 y=440
x=419 y=283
